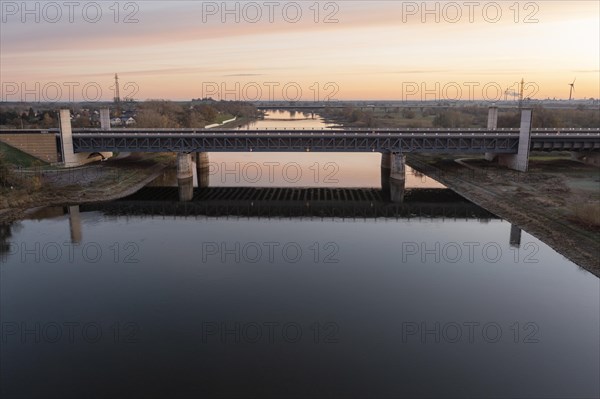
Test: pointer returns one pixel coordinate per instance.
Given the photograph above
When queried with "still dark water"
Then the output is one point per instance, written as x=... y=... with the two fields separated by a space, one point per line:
x=237 y=296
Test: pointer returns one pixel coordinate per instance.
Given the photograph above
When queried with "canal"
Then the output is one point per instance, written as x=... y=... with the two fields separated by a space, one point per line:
x=291 y=275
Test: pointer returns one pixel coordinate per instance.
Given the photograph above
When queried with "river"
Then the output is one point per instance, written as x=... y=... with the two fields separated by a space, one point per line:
x=262 y=288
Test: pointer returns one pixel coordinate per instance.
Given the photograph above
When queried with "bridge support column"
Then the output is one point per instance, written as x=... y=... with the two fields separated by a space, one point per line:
x=69 y=157
x=397 y=179
x=185 y=177
x=202 y=169
x=393 y=176
x=398 y=167
x=386 y=169
x=520 y=161
x=105 y=125
x=386 y=161
x=589 y=158
x=492 y=124
x=397 y=190
x=105 y=119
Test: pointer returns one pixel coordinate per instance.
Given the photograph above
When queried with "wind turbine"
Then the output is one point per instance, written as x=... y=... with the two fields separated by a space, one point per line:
x=572 y=89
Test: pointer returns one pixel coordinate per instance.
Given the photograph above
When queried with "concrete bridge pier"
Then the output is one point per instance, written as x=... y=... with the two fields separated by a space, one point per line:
x=520 y=160
x=398 y=167
x=105 y=125
x=386 y=171
x=105 y=119
x=397 y=177
x=397 y=190
x=185 y=177
x=393 y=176
x=492 y=124
x=386 y=161
x=202 y=169
x=69 y=157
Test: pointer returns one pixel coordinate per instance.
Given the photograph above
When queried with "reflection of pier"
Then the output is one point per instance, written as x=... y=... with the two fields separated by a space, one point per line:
x=362 y=203
x=295 y=202
x=75 y=224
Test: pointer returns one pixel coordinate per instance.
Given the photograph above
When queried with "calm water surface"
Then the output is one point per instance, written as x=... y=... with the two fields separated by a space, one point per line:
x=243 y=297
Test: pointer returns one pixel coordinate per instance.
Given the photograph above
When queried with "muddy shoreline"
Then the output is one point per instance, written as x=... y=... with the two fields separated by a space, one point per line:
x=522 y=199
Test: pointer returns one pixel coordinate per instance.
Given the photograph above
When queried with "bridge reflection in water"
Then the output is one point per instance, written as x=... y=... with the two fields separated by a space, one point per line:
x=303 y=203
x=295 y=202
x=274 y=203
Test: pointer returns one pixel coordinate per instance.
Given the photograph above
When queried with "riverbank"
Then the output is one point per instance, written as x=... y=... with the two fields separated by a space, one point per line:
x=105 y=181
x=557 y=200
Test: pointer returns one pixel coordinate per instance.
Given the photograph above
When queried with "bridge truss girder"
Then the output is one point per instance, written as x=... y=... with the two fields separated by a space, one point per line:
x=338 y=143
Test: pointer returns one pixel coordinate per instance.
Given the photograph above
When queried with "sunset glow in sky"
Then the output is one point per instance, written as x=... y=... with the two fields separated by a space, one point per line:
x=343 y=50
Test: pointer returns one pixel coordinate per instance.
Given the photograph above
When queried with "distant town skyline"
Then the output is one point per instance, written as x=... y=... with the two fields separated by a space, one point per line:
x=345 y=50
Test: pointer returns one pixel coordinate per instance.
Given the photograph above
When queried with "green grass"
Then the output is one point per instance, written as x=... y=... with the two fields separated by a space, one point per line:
x=550 y=157
x=19 y=158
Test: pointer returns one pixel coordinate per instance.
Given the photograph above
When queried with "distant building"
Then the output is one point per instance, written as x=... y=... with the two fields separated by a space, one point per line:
x=130 y=122
x=116 y=122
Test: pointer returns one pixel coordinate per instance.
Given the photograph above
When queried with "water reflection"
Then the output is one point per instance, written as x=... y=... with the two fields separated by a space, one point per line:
x=211 y=293
x=296 y=202
x=292 y=170
x=278 y=118
x=6 y=231
x=306 y=203
x=75 y=224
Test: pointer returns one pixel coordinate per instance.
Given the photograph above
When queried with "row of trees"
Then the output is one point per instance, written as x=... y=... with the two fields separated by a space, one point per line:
x=542 y=118
x=464 y=117
x=351 y=115
x=551 y=118
x=152 y=113
x=162 y=113
x=44 y=119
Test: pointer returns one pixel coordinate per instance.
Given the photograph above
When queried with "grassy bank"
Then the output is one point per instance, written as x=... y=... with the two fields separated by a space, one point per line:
x=16 y=157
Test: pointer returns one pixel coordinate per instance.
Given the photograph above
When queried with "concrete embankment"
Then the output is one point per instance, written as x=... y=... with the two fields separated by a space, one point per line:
x=99 y=182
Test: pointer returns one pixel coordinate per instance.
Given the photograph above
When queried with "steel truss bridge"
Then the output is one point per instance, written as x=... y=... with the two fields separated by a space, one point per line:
x=500 y=141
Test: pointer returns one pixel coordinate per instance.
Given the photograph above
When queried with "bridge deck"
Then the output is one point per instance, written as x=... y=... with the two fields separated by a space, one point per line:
x=319 y=140
x=470 y=140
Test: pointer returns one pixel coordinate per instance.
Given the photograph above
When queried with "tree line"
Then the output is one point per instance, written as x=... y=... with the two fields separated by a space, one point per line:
x=151 y=113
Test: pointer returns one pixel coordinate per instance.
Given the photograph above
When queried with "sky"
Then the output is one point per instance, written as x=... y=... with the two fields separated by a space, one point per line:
x=303 y=50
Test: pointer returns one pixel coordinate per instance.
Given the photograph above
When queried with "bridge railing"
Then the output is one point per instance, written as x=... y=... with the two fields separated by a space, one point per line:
x=134 y=131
